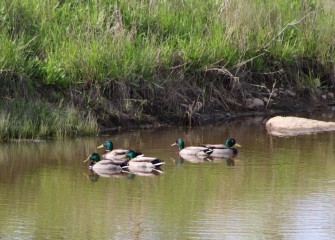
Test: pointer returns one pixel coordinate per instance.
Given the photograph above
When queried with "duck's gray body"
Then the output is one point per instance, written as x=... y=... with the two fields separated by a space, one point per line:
x=144 y=162
x=106 y=165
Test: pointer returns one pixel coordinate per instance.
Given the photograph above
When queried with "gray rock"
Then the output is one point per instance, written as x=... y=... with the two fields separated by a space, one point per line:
x=330 y=95
x=256 y=104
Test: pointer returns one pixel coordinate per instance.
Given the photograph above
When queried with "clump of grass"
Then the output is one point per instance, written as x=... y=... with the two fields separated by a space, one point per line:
x=40 y=120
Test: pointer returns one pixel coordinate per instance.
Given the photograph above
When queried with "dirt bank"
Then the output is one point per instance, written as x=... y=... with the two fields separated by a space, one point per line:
x=124 y=107
x=200 y=96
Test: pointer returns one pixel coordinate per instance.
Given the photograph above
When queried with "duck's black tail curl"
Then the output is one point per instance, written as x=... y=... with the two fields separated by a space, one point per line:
x=208 y=151
x=124 y=164
x=157 y=162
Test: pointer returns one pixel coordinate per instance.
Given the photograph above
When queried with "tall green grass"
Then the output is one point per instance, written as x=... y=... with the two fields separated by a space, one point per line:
x=150 y=44
x=70 y=42
x=39 y=120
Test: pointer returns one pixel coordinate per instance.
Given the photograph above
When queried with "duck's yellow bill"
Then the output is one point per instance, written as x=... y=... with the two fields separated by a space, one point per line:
x=238 y=145
x=87 y=159
x=101 y=146
x=173 y=144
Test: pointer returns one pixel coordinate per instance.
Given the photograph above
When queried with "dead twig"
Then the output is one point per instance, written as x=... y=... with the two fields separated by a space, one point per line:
x=246 y=61
x=287 y=26
x=273 y=39
x=272 y=91
x=226 y=72
x=192 y=109
x=223 y=71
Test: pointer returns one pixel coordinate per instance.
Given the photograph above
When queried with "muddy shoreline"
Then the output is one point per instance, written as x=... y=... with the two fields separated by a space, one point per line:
x=261 y=103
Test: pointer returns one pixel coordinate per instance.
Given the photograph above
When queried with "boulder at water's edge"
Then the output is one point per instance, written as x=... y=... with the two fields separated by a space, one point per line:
x=291 y=126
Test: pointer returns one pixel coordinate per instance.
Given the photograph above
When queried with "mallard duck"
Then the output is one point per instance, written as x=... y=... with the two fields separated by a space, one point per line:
x=187 y=152
x=226 y=151
x=97 y=164
x=118 y=155
x=140 y=161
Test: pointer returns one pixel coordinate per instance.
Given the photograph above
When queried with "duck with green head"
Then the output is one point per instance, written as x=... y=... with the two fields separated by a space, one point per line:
x=98 y=165
x=226 y=151
x=118 y=155
x=187 y=152
x=140 y=161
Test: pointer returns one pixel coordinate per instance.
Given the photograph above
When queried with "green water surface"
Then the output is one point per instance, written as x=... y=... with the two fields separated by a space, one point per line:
x=277 y=188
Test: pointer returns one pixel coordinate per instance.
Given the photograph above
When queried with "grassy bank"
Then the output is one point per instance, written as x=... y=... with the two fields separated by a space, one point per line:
x=131 y=61
x=38 y=120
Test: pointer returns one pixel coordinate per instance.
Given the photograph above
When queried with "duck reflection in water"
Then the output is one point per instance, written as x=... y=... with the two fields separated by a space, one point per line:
x=143 y=172
x=194 y=159
x=228 y=161
x=92 y=176
x=179 y=161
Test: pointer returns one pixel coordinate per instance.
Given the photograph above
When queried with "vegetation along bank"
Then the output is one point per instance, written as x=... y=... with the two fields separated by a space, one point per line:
x=74 y=68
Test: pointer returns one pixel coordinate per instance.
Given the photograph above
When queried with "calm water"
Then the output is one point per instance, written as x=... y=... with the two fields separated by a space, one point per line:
x=277 y=188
